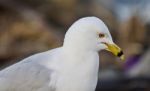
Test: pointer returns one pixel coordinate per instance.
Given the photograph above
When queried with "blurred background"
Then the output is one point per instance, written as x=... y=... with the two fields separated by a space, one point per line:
x=31 y=26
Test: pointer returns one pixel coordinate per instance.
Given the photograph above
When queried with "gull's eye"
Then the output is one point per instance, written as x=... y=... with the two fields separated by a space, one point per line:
x=101 y=35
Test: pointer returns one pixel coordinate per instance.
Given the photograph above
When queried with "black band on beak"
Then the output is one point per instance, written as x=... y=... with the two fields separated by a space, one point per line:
x=120 y=54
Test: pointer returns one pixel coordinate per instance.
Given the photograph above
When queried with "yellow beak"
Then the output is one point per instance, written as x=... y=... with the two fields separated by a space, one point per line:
x=115 y=50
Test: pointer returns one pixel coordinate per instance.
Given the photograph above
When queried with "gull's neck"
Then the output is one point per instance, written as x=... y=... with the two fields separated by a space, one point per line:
x=82 y=67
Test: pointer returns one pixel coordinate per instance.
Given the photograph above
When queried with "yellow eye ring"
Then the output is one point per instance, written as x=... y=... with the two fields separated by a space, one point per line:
x=101 y=35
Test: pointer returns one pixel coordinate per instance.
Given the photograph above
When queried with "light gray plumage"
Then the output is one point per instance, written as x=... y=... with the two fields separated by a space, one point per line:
x=31 y=74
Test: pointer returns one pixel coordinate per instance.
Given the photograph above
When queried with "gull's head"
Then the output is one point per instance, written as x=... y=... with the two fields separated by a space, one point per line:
x=91 y=34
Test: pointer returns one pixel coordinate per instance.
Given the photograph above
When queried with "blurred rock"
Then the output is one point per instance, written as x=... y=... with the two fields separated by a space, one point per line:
x=21 y=36
x=131 y=36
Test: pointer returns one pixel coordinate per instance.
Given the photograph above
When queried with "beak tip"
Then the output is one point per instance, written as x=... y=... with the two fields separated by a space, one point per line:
x=122 y=57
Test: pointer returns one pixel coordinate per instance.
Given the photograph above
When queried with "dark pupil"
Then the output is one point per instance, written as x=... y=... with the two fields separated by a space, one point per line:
x=101 y=35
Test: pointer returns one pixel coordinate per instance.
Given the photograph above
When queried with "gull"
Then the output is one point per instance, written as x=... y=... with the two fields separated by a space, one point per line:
x=71 y=67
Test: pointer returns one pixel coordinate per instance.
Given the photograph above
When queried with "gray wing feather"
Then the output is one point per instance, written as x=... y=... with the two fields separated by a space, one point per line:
x=26 y=76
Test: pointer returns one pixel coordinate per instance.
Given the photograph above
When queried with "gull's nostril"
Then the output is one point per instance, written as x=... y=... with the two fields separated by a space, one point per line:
x=120 y=53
